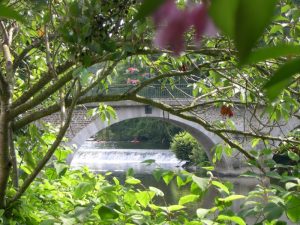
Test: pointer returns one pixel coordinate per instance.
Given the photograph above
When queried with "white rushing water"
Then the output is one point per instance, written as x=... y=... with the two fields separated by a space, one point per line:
x=97 y=159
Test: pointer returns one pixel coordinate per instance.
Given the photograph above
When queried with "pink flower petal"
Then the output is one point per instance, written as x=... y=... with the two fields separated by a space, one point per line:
x=166 y=11
x=171 y=36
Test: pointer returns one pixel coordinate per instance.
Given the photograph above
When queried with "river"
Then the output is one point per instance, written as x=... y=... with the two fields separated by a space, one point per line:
x=119 y=157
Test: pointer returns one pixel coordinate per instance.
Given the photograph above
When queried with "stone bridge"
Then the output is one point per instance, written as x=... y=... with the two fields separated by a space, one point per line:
x=82 y=128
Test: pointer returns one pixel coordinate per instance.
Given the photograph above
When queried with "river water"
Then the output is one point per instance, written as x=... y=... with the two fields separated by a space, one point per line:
x=119 y=157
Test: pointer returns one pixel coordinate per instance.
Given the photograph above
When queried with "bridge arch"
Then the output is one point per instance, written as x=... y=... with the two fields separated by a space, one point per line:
x=207 y=139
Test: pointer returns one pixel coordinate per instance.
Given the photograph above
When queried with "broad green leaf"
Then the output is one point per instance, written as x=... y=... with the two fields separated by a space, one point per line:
x=187 y=198
x=147 y=8
x=157 y=191
x=236 y=19
x=251 y=19
x=132 y=180
x=232 y=198
x=282 y=78
x=106 y=212
x=10 y=13
x=280 y=50
x=157 y=173
x=223 y=13
x=273 y=211
x=201 y=213
x=290 y=185
x=202 y=183
x=172 y=208
x=129 y=197
x=144 y=197
x=168 y=176
x=293 y=208
x=235 y=219
x=293 y=156
x=83 y=188
x=220 y=185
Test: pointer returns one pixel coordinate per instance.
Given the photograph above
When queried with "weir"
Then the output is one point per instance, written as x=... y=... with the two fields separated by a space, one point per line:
x=123 y=159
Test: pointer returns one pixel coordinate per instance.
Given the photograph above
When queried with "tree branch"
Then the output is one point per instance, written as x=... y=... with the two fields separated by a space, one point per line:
x=49 y=153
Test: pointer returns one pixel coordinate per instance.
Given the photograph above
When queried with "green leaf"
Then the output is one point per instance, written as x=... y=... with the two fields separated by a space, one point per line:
x=147 y=8
x=220 y=185
x=144 y=197
x=236 y=19
x=201 y=213
x=83 y=188
x=172 y=208
x=9 y=13
x=280 y=50
x=157 y=191
x=235 y=219
x=83 y=212
x=168 y=176
x=132 y=180
x=187 y=198
x=129 y=197
x=223 y=14
x=106 y=213
x=255 y=142
x=272 y=211
x=293 y=208
x=149 y=161
x=251 y=19
x=293 y=156
x=290 y=185
x=282 y=78
x=202 y=183
x=157 y=173
x=60 y=168
x=231 y=198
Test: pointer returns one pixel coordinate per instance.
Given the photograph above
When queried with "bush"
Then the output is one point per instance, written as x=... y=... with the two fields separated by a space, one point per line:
x=187 y=148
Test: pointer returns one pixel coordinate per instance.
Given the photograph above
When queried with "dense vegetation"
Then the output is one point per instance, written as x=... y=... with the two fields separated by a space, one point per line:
x=187 y=148
x=145 y=130
x=56 y=55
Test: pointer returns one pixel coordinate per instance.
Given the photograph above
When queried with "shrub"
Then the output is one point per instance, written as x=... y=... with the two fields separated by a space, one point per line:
x=187 y=148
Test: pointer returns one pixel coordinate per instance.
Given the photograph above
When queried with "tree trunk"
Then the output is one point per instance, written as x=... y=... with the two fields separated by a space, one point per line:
x=5 y=163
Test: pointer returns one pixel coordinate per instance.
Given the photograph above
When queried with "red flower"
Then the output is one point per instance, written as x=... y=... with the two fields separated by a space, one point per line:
x=226 y=111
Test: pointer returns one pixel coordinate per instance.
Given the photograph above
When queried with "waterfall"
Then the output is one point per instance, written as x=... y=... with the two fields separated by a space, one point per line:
x=122 y=159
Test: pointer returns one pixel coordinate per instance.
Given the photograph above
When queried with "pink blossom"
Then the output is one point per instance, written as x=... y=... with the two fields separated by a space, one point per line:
x=132 y=70
x=165 y=12
x=172 y=24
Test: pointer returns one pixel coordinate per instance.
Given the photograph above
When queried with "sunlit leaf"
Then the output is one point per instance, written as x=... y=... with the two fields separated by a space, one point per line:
x=221 y=186
x=187 y=198
x=132 y=180
x=280 y=50
x=235 y=219
x=282 y=78
x=202 y=183
x=232 y=198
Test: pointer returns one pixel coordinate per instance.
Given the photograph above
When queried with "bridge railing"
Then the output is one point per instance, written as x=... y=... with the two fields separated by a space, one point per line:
x=151 y=91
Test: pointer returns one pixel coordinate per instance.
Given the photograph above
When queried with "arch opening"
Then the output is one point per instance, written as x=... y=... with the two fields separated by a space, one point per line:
x=206 y=139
